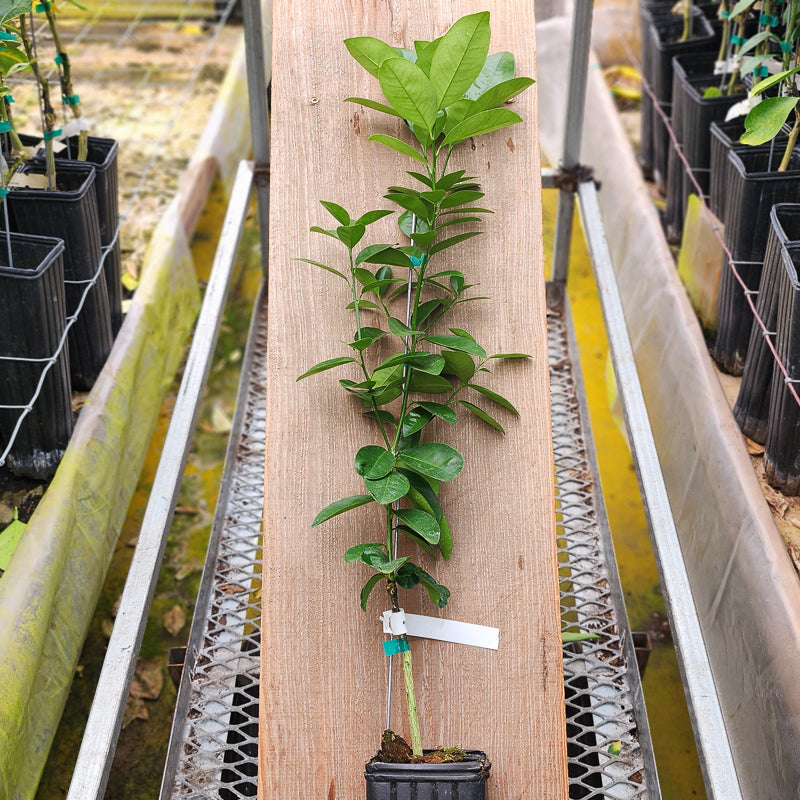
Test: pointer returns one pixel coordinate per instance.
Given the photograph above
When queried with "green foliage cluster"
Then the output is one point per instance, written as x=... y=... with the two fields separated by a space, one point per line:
x=447 y=91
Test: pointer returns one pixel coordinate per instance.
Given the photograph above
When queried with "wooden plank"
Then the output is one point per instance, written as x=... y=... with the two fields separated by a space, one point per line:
x=323 y=670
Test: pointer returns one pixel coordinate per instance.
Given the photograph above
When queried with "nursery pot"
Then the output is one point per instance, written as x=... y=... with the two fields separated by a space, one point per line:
x=752 y=404
x=70 y=213
x=782 y=447
x=755 y=187
x=33 y=314
x=460 y=780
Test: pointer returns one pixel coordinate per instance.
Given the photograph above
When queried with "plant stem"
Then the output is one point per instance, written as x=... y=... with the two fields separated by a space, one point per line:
x=411 y=700
x=787 y=153
x=687 y=20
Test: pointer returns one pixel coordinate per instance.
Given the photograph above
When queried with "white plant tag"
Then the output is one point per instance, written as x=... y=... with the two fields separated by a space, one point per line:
x=742 y=107
x=448 y=630
x=74 y=127
x=28 y=181
x=725 y=67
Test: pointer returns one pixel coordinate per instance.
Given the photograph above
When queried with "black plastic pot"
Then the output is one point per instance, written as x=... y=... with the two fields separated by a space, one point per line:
x=463 y=780
x=665 y=31
x=70 y=213
x=754 y=188
x=32 y=309
x=782 y=447
x=752 y=404
x=692 y=117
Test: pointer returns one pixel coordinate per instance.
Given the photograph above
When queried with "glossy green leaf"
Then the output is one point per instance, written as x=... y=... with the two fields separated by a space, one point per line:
x=439 y=410
x=420 y=177
x=409 y=91
x=424 y=238
x=9 y=539
x=413 y=203
x=755 y=41
x=373 y=462
x=425 y=51
x=399 y=328
x=740 y=7
x=411 y=224
x=429 y=384
x=459 y=364
x=374 y=105
x=458 y=112
x=439 y=594
x=495 y=398
x=459 y=57
x=570 y=636
x=373 y=216
x=510 y=355
x=14 y=8
x=460 y=197
x=764 y=121
x=325 y=267
x=769 y=82
x=461 y=343
x=445 y=538
x=415 y=420
x=434 y=459
x=340 y=506
x=326 y=365
x=457 y=221
x=483 y=122
x=421 y=522
x=482 y=415
x=497 y=68
x=367 y=589
x=445 y=243
x=353 y=554
x=350 y=235
x=392 y=256
x=398 y=145
x=426 y=309
x=371 y=251
x=388 y=489
x=462 y=333
x=468 y=209
x=503 y=92
x=384 y=416
x=363 y=276
x=369 y=52
x=450 y=180
x=336 y=211
x=317 y=229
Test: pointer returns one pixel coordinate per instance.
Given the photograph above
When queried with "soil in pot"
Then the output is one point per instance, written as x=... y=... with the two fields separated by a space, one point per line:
x=752 y=404
x=33 y=311
x=70 y=213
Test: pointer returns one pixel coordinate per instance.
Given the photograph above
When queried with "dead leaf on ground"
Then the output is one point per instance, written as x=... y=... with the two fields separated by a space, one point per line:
x=134 y=709
x=148 y=679
x=174 y=620
x=753 y=448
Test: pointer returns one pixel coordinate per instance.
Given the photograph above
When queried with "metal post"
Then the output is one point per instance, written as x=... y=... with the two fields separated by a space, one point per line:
x=573 y=131
x=258 y=59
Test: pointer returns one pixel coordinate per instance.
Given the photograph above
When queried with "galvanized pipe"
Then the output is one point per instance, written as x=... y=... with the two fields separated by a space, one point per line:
x=573 y=132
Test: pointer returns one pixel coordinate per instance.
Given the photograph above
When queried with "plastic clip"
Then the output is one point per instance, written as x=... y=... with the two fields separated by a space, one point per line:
x=43 y=6
x=395 y=646
x=70 y=100
x=394 y=622
x=5 y=126
x=48 y=135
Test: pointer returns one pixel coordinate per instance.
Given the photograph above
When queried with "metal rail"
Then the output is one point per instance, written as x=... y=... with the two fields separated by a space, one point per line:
x=105 y=718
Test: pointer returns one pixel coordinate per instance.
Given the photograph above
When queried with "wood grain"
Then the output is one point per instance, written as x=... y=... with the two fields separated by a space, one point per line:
x=323 y=670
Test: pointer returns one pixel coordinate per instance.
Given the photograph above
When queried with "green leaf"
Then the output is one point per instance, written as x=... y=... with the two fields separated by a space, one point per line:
x=429 y=384
x=420 y=177
x=388 y=489
x=427 y=308
x=339 y=507
x=317 y=229
x=503 y=92
x=363 y=276
x=373 y=462
x=433 y=459
x=420 y=522
x=425 y=51
x=409 y=91
x=457 y=221
x=390 y=255
x=460 y=197
x=461 y=332
x=445 y=538
x=369 y=52
x=373 y=104
x=367 y=589
x=325 y=267
x=458 y=112
x=329 y=364
x=9 y=539
x=439 y=410
x=415 y=420
x=384 y=416
x=448 y=181
x=413 y=203
x=483 y=122
x=510 y=355
x=354 y=553
x=373 y=216
x=350 y=235
x=424 y=238
x=439 y=594
x=341 y=216
x=755 y=41
x=712 y=91
x=14 y=8
x=495 y=398
x=764 y=121
x=399 y=328
x=769 y=82
x=397 y=144
x=370 y=251
x=459 y=57
x=411 y=225
x=481 y=414
x=571 y=636
x=461 y=343
x=740 y=7
x=445 y=243
x=496 y=69
x=459 y=364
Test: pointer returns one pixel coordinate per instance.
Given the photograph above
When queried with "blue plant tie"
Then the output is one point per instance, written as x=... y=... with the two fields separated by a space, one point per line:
x=5 y=36
x=59 y=59
x=768 y=19
x=43 y=6
x=786 y=47
x=9 y=99
x=71 y=100
x=5 y=126
x=762 y=71
x=48 y=135
x=393 y=646
x=3 y=192
x=737 y=39
x=724 y=14
x=417 y=262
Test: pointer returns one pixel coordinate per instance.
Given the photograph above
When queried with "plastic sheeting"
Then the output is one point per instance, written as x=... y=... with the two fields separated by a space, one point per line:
x=745 y=589
x=49 y=592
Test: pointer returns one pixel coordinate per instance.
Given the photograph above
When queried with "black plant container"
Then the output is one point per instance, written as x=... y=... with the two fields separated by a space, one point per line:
x=70 y=213
x=782 y=448
x=694 y=113
x=33 y=311
x=665 y=31
x=462 y=780
x=755 y=187
x=752 y=404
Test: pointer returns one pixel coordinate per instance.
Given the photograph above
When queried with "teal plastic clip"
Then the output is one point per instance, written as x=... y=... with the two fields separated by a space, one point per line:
x=737 y=39
x=762 y=71
x=9 y=98
x=59 y=59
x=43 y=6
x=48 y=135
x=5 y=126
x=71 y=100
x=393 y=646
x=3 y=192
x=417 y=262
x=5 y=36
x=724 y=14
x=768 y=19
x=786 y=47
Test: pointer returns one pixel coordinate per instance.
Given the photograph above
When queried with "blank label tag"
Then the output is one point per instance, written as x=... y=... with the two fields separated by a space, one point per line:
x=448 y=630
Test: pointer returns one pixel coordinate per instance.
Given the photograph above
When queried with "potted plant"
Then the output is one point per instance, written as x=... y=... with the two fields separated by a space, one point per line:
x=405 y=372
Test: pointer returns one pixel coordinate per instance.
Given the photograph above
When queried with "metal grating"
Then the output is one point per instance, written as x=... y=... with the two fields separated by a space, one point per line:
x=214 y=747
x=605 y=707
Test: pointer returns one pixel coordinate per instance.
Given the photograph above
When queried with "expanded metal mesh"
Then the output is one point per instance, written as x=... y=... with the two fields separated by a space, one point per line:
x=214 y=750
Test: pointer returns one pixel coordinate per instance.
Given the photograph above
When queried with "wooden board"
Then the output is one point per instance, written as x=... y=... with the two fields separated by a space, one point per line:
x=323 y=679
